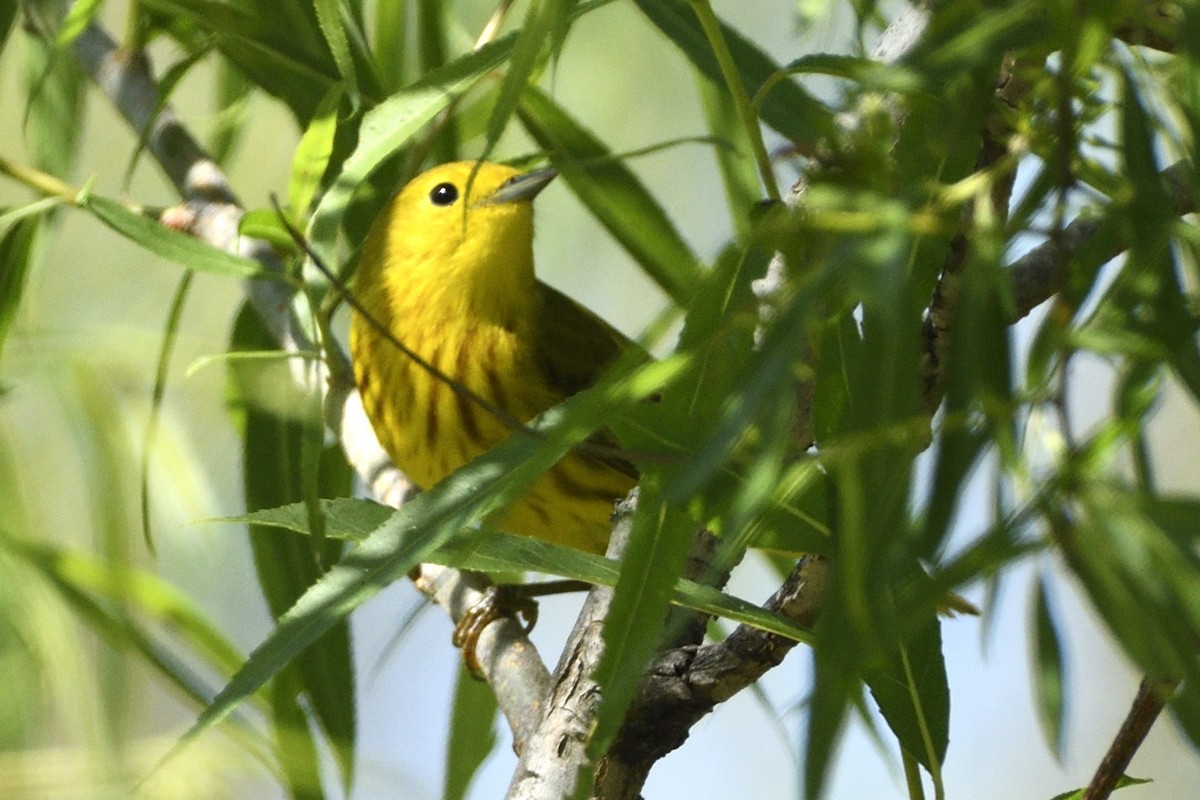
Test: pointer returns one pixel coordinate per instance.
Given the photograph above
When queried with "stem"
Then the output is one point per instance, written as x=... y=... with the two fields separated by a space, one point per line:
x=912 y=776
x=156 y=401
x=1152 y=695
x=39 y=181
x=741 y=100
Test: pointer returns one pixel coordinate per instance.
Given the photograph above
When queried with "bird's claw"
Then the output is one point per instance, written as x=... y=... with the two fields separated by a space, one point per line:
x=505 y=600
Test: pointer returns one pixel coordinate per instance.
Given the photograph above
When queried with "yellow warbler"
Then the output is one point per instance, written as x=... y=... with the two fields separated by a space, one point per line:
x=447 y=271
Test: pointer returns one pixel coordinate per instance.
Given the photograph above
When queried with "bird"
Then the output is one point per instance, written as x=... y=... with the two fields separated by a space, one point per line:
x=455 y=344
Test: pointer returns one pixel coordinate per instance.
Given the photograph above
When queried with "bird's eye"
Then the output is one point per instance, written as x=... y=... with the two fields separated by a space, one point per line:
x=444 y=194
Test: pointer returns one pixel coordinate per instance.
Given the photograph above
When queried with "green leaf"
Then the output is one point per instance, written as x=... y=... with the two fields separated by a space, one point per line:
x=828 y=702
x=273 y=474
x=472 y=733
x=1136 y=557
x=295 y=747
x=8 y=14
x=17 y=247
x=543 y=20
x=166 y=86
x=172 y=245
x=736 y=161
x=333 y=23
x=312 y=153
x=914 y=695
x=391 y=34
x=613 y=194
x=493 y=551
x=391 y=125
x=264 y=223
x=79 y=16
x=55 y=115
x=277 y=46
x=233 y=93
x=1048 y=669
x=170 y=334
x=839 y=345
x=787 y=108
x=869 y=72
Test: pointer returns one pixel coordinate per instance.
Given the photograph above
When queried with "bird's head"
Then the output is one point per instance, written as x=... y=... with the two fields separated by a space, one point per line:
x=461 y=228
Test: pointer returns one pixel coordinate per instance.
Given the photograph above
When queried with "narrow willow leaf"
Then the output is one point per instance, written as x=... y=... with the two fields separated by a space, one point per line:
x=868 y=72
x=166 y=85
x=542 y=20
x=172 y=245
x=492 y=551
x=472 y=733
x=827 y=706
x=313 y=152
x=1174 y=323
x=1124 y=782
x=55 y=112
x=913 y=694
x=17 y=247
x=391 y=34
x=434 y=23
x=273 y=474
x=88 y=585
x=79 y=16
x=170 y=333
x=1048 y=669
x=787 y=108
x=613 y=194
x=280 y=52
x=392 y=124
x=264 y=223
x=736 y=161
x=295 y=747
x=1143 y=575
x=232 y=99
x=333 y=28
x=8 y=14
x=706 y=412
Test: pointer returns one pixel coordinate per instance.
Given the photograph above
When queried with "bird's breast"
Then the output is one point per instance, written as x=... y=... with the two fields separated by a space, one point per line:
x=433 y=417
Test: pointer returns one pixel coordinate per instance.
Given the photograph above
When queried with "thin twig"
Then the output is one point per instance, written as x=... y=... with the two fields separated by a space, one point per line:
x=1151 y=698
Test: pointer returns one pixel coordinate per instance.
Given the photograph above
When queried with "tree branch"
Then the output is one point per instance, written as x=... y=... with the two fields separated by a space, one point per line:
x=684 y=684
x=1037 y=275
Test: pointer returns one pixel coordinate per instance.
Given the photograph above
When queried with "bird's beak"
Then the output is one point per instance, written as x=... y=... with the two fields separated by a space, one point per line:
x=521 y=187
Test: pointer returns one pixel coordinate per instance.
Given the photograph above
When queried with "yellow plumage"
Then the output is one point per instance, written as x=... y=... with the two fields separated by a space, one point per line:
x=447 y=269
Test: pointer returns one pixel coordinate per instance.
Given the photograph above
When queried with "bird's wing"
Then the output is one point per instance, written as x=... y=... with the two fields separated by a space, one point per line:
x=575 y=346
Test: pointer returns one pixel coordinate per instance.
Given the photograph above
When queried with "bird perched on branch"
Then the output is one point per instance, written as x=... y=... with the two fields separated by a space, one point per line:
x=456 y=344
